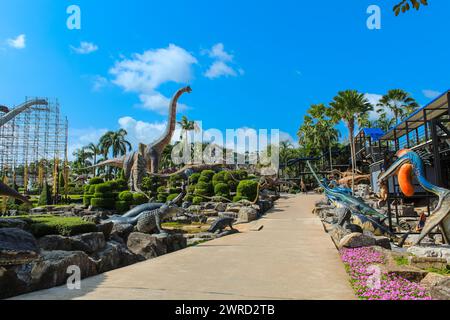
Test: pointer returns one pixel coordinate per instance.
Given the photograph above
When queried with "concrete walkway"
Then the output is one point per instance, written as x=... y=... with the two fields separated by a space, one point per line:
x=290 y=258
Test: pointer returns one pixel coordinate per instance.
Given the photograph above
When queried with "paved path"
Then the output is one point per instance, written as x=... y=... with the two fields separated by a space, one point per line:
x=290 y=258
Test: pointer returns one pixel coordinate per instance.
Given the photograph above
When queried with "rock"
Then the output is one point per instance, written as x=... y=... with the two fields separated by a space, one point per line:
x=337 y=233
x=151 y=246
x=265 y=205
x=17 y=247
x=36 y=211
x=51 y=268
x=233 y=215
x=247 y=214
x=209 y=213
x=194 y=209
x=234 y=207
x=383 y=242
x=438 y=286
x=12 y=223
x=434 y=251
x=94 y=241
x=61 y=243
x=356 y=240
x=10 y=284
x=428 y=262
x=122 y=230
x=114 y=255
x=106 y=229
x=92 y=218
x=182 y=219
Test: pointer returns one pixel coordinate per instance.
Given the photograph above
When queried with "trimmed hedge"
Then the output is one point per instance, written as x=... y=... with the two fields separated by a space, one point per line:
x=188 y=198
x=193 y=179
x=208 y=174
x=247 y=189
x=105 y=203
x=197 y=200
x=91 y=189
x=172 y=196
x=103 y=188
x=203 y=189
x=162 y=189
x=222 y=189
x=96 y=180
x=122 y=206
x=87 y=199
x=218 y=178
x=139 y=198
x=126 y=196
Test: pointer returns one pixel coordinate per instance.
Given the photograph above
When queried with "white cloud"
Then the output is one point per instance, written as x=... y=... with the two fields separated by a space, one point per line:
x=145 y=73
x=145 y=132
x=374 y=99
x=99 y=82
x=79 y=138
x=222 y=63
x=18 y=43
x=431 y=94
x=85 y=48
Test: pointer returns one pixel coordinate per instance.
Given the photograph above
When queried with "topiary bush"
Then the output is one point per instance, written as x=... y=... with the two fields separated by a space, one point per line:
x=122 y=185
x=203 y=189
x=139 y=198
x=112 y=184
x=222 y=190
x=237 y=198
x=45 y=198
x=218 y=178
x=193 y=179
x=172 y=196
x=197 y=201
x=105 y=203
x=162 y=197
x=103 y=188
x=247 y=189
x=122 y=206
x=188 y=198
x=126 y=196
x=87 y=199
x=103 y=196
x=44 y=225
x=96 y=180
x=91 y=189
x=175 y=180
x=162 y=189
x=207 y=175
x=233 y=185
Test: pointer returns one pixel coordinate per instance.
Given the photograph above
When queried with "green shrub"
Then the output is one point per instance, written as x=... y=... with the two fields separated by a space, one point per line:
x=188 y=198
x=112 y=184
x=87 y=199
x=172 y=196
x=218 y=178
x=203 y=179
x=191 y=189
x=122 y=206
x=103 y=195
x=105 y=203
x=233 y=185
x=139 y=198
x=96 y=180
x=86 y=188
x=103 y=188
x=174 y=190
x=91 y=189
x=242 y=174
x=126 y=196
x=150 y=183
x=161 y=198
x=203 y=189
x=175 y=180
x=197 y=200
x=208 y=174
x=238 y=198
x=162 y=189
x=247 y=189
x=122 y=184
x=193 y=179
x=45 y=198
x=222 y=189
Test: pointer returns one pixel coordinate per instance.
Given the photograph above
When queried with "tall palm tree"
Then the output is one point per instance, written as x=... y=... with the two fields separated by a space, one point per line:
x=186 y=126
x=399 y=102
x=114 y=142
x=350 y=106
x=81 y=160
x=93 y=150
x=384 y=122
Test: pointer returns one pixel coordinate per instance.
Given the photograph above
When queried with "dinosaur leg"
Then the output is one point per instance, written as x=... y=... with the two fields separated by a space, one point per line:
x=158 y=225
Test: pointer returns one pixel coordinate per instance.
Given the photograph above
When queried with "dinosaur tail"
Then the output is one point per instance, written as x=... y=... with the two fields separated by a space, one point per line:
x=10 y=192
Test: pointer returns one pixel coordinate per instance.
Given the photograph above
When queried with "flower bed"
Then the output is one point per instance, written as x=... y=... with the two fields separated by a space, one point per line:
x=361 y=264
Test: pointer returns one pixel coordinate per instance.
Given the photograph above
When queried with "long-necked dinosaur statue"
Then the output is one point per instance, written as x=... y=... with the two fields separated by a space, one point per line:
x=408 y=164
x=138 y=163
x=11 y=114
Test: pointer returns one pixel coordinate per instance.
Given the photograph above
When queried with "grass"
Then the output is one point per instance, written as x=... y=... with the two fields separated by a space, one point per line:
x=445 y=271
x=402 y=261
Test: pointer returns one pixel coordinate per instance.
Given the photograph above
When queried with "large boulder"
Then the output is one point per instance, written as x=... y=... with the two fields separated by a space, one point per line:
x=431 y=251
x=438 y=286
x=61 y=243
x=247 y=214
x=357 y=240
x=12 y=223
x=10 y=284
x=17 y=247
x=122 y=230
x=51 y=269
x=95 y=241
x=151 y=246
x=106 y=228
x=114 y=255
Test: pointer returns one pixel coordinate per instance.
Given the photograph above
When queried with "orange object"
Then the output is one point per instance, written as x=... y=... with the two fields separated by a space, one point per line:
x=405 y=179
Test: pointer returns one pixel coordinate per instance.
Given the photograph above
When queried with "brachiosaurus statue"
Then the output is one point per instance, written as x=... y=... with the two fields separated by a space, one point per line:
x=4 y=189
x=138 y=163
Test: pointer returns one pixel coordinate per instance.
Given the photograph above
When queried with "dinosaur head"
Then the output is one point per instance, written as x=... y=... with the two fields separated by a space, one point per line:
x=403 y=167
x=188 y=89
x=4 y=109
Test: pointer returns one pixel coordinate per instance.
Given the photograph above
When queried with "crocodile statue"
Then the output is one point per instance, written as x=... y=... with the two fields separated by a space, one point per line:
x=221 y=223
x=4 y=119
x=362 y=214
x=17 y=247
x=147 y=159
x=409 y=163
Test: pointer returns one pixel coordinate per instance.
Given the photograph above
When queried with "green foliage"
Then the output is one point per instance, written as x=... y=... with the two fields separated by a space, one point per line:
x=233 y=185
x=126 y=196
x=204 y=179
x=238 y=198
x=222 y=189
x=444 y=272
x=175 y=180
x=44 y=225
x=87 y=199
x=193 y=179
x=123 y=206
x=405 y=5
x=197 y=200
x=203 y=189
x=91 y=189
x=188 y=198
x=175 y=190
x=139 y=198
x=172 y=196
x=191 y=189
x=45 y=198
x=207 y=175
x=150 y=183
x=122 y=185
x=162 y=189
x=247 y=189
x=104 y=195
x=112 y=184
x=105 y=203
x=218 y=178
x=162 y=197
x=401 y=261
x=103 y=188
x=242 y=174
x=96 y=180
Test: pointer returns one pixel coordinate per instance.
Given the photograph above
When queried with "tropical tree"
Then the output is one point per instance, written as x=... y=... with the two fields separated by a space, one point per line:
x=93 y=150
x=350 y=106
x=399 y=102
x=406 y=5
x=384 y=122
x=186 y=126
x=114 y=142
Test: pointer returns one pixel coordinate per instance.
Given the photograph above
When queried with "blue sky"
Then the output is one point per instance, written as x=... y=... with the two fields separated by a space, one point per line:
x=257 y=66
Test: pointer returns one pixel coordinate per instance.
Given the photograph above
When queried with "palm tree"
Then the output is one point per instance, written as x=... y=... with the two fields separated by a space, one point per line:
x=384 y=122
x=81 y=160
x=350 y=106
x=186 y=126
x=114 y=142
x=93 y=150
x=399 y=102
